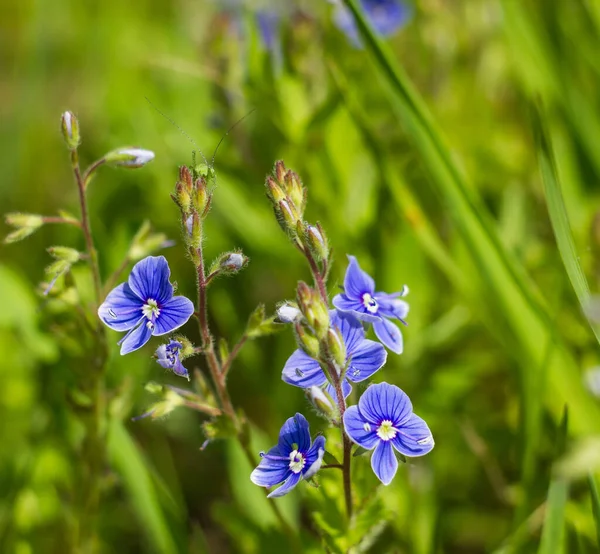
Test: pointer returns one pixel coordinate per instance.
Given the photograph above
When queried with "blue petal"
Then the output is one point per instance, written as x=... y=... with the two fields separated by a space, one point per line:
x=383 y=401
x=389 y=334
x=346 y=390
x=178 y=369
x=366 y=359
x=314 y=457
x=136 y=338
x=356 y=308
x=295 y=431
x=392 y=307
x=360 y=430
x=386 y=16
x=173 y=314
x=287 y=486
x=356 y=281
x=150 y=279
x=303 y=371
x=270 y=472
x=384 y=462
x=122 y=308
x=414 y=437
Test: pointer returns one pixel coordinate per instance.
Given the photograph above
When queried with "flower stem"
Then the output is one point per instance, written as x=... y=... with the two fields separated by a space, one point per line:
x=87 y=230
x=92 y=385
x=233 y=354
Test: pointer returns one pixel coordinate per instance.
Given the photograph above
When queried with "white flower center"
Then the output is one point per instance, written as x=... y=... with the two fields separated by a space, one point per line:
x=297 y=461
x=150 y=309
x=386 y=430
x=370 y=303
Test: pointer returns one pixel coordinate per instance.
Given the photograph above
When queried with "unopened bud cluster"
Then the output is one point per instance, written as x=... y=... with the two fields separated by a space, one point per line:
x=288 y=196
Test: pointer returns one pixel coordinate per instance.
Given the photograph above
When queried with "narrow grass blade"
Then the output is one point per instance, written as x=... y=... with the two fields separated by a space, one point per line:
x=129 y=462
x=559 y=217
x=595 y=505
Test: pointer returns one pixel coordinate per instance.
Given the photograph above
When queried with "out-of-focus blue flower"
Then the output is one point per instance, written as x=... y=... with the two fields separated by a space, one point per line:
x=363 y=358
x=384 y=419
x=167 y=355
x=386 y=17
x=145 y=305
x=293 y=459
x=361 y=300
x=268 y=25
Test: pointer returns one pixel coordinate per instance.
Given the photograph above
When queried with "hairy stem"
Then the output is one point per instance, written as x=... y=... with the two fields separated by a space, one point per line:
x=92 y=385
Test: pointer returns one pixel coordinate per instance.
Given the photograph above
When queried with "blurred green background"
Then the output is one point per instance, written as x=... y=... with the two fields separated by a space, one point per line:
x=497 y=343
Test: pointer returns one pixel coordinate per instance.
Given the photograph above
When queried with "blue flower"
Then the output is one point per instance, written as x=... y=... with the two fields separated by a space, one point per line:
x=363 y=358
x=167 y=355
x=386 y=17
x=145 y=305
x=361 y=300
x=382 y=419
x=292 y=460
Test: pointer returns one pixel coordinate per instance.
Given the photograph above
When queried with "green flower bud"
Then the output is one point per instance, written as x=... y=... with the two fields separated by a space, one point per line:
x=313 y=308
x=185 y=177
x=145 y=242
x=64 y=253
x=26 y=224
x=337 y=348
x=130 y=158
x=280 y=171
x=320 y=400
x=316 y=240
x=199 y=195
x=70 y=129
x=295 y=190
x=288 y=217
x=306 y=341
x=274 y=191
x=232 y=262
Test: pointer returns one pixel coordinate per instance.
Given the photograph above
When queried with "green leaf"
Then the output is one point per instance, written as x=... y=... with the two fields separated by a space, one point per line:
x=359 y=451
x=130 y=464
x=330 y=459
x=595 y=505
x=259 y=325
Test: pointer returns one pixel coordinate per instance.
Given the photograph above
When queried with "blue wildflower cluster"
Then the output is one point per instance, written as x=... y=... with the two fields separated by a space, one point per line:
x=333 y=352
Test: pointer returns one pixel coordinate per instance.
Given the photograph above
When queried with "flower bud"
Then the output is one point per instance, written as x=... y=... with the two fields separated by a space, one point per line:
x=232 y=262
x=313 y=309
x=199 y=196
x=280 y=171
x=70 y=129
x=337 y=348
x=194 y=229
x=288 y=313
x=25 y=224
x=288 y=216
x=64 y=253
x=130 y=158
x=320 y=400
x=306 y=341
x=295 y=190
x=317 y=242
x=182 y=197
x=274 y=191
x=186 y=178
x=146 y=242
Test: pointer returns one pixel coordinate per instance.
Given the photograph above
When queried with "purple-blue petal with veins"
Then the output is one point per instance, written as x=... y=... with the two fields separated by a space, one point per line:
x=295 y=431
x=384 y=401
x=413 y=437
x=360 y=431
x=271 y=472
x=357 y=282
x=303 y=371
x=136 y=338
x=314 y=457
x=122 y=308
x=389 y=334
x=365 y=360
x=173 y=314
x=346 y=390
x=384 y=462
x=389 y=306
x=287 y=486
x=149 y=279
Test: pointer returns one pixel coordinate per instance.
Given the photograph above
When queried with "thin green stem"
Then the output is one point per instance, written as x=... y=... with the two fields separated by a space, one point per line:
x=233 y=354
x=56 y=219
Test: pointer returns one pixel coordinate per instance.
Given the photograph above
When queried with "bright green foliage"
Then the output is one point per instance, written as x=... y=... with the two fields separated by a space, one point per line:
x=422 y=157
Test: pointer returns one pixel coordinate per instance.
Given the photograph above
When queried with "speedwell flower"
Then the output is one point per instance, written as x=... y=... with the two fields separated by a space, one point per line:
x=384 y=419
x=363 y=358
x=145 y=305
x=386 y=17
x=292 y=460
x=361 y=300
x=167 y=355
